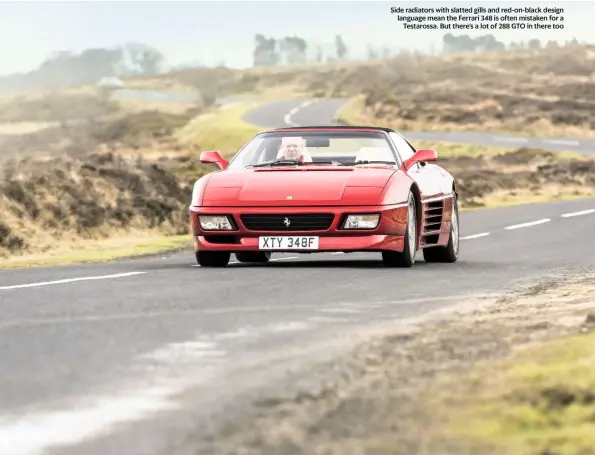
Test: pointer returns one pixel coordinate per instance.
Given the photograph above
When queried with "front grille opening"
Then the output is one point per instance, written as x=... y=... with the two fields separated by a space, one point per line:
x=296 y=222
x=222 y=239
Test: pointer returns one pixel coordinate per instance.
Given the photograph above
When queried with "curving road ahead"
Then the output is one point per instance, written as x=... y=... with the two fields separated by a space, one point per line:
x=322 y=112
x=146 y=356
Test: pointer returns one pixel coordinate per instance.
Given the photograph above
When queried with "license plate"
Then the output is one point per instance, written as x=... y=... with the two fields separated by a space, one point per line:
x=288 y=243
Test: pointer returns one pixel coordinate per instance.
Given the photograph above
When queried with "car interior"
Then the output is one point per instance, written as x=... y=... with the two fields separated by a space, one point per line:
x=270 y=150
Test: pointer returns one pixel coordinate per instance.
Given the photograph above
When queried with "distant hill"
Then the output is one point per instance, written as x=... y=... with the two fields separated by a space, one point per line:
x=66 y=69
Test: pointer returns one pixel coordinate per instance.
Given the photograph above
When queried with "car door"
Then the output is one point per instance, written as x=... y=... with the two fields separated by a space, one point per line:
x=427 y=176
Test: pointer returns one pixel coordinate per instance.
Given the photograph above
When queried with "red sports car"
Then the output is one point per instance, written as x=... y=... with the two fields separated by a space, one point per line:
x=325 y=189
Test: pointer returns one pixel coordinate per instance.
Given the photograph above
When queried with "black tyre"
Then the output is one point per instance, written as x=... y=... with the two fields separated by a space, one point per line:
x=407 y=257
x=212 y=258
x=450 y=252
x=253 y=256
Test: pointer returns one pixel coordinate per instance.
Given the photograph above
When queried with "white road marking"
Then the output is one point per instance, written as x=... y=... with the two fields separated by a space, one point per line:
x=561 y=141
x=70 y=280
x=532 y=223
x=509 y=139
x=287 y=120
x=338 y=252
x=293 y=111
x=475 y=236
x=584 y=212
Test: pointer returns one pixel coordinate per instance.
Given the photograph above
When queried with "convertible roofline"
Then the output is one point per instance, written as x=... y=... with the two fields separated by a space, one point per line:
x=334 y=128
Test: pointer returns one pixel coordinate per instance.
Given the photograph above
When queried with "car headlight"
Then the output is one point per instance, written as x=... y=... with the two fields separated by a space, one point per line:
x=367 y=221
x=215 y=223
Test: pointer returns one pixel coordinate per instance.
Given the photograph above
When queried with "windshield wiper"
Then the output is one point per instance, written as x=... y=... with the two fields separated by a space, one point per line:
x=278 y=162
x=290 y=163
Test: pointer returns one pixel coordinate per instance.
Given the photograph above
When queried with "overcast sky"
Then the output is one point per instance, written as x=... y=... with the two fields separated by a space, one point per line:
x=223 y=31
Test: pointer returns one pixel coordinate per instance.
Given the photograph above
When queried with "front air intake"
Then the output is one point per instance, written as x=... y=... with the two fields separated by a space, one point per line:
x=297 y=222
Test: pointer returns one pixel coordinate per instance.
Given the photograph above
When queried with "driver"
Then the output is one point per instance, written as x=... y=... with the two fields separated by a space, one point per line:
x=294 y=148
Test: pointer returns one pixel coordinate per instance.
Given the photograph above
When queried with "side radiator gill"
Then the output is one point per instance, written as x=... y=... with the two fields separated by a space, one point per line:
x=432 y=222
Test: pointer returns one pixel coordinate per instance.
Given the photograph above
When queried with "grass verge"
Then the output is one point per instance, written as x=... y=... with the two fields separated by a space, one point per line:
x=101 y=251
x=222 y=130
x=542 y=401
x=514 y=198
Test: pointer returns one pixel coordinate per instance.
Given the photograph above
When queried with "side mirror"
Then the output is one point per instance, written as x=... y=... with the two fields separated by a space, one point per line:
x=214 y=157
x=421 y=156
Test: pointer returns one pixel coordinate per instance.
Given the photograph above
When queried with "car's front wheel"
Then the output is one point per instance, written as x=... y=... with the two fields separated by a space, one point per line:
x=253 y=256
x=406 y=258
x=213 y=258
x=450 y=252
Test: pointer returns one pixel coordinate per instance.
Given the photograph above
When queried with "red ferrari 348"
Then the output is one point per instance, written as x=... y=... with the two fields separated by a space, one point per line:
x=325 y=189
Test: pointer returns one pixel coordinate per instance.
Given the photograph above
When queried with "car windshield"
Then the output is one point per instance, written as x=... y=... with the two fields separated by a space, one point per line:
x=311 y=148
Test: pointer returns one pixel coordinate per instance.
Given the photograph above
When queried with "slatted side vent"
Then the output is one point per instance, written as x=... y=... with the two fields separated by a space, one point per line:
x=432 y=221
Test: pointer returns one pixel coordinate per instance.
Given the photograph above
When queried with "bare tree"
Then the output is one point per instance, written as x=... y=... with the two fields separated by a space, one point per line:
x=340 y=47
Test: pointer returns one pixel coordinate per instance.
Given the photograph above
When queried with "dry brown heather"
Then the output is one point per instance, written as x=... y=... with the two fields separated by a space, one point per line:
x=549 y=91
x=92 y=177
x=45 y=203
x=77 y=124
x=524 y=174
x=542 y=92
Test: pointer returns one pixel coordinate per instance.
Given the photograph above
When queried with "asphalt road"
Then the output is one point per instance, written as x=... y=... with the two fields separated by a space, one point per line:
x=146 y=356
x=322 y=112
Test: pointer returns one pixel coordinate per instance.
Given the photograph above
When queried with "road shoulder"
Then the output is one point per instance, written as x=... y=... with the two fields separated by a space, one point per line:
x=413 y=392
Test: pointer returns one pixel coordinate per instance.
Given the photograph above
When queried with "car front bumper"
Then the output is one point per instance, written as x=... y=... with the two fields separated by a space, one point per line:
x=387 y=236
